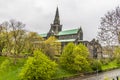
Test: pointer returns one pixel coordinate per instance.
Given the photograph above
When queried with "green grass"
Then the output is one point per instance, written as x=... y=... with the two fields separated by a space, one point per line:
x=12 y=74
x=2 y=59
x=110 y=65
x=61 y=73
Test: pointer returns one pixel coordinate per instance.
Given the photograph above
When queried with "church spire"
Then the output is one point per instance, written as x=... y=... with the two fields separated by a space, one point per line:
x=81 y=33
x=81 y=29
x=57 y=19
x=56 y=27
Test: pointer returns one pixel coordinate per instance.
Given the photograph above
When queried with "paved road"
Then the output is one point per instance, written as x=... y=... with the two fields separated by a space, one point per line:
x=101 y=76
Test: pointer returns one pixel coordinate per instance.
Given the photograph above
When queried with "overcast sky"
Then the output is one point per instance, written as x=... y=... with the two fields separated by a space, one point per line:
x=39 y=14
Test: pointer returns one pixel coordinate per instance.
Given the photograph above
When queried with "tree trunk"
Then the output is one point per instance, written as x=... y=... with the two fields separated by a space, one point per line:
x=15 y=59
x=0 y=53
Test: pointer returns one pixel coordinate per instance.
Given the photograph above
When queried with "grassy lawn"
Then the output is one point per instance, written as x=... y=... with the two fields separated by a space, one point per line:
x=2 y=59
x=11 y=74
x=110 y=65
x=61 y=73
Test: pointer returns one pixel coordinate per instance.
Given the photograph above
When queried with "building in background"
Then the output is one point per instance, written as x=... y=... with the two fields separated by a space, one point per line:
x=71 y=35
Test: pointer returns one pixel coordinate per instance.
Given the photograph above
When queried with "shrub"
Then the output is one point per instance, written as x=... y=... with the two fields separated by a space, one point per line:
x=39 y=67
x=96 y=65
x=117 y=52
x=66 y=59
x=81 y=64
x=117 y=55
x=105 y=61
x=118 y=62
x=74 y=58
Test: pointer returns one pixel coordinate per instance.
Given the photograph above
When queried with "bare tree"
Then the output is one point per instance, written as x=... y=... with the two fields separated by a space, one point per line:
x=18 y=35
x=110 y=27
x=8 y=39
x=15 y=35
x=109 y=30
x=2 y=39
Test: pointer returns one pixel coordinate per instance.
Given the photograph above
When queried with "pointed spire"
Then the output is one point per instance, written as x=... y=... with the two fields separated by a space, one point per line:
x=81 y=29
x=81 y=33
x=56 y=19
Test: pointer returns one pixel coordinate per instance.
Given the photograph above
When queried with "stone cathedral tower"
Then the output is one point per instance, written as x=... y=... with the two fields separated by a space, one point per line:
x=56 y=27
x=71 y=35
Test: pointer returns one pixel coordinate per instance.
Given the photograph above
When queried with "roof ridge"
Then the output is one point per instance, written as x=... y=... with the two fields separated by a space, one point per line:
x=67 y=32
x=69 y=29
x=43 y=33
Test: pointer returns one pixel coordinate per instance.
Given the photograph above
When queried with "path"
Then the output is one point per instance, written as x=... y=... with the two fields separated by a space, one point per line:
x=101 y=76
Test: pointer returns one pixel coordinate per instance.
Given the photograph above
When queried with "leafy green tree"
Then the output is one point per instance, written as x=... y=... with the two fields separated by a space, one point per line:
x=14 y=35
x=51 y=47
x=32 y=42
x=81 y=50
x=66 y=58
x=2 y=39
x=15 y=38
x=81 y=55
x=81 y=64
x=74 y=58
x=8 y=38
x=39 y=67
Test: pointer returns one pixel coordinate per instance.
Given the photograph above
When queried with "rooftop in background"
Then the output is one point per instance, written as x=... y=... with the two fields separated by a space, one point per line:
x=66 y=40
x=67 y=32
x=43 y=35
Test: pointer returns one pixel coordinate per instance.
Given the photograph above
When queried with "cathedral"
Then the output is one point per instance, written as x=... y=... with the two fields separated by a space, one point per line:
x=71 y=35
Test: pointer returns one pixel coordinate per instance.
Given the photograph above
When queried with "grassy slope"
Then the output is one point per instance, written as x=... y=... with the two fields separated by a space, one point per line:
x=60 y=73
x=15 y=69
x=111 y=65
x=12 y=74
